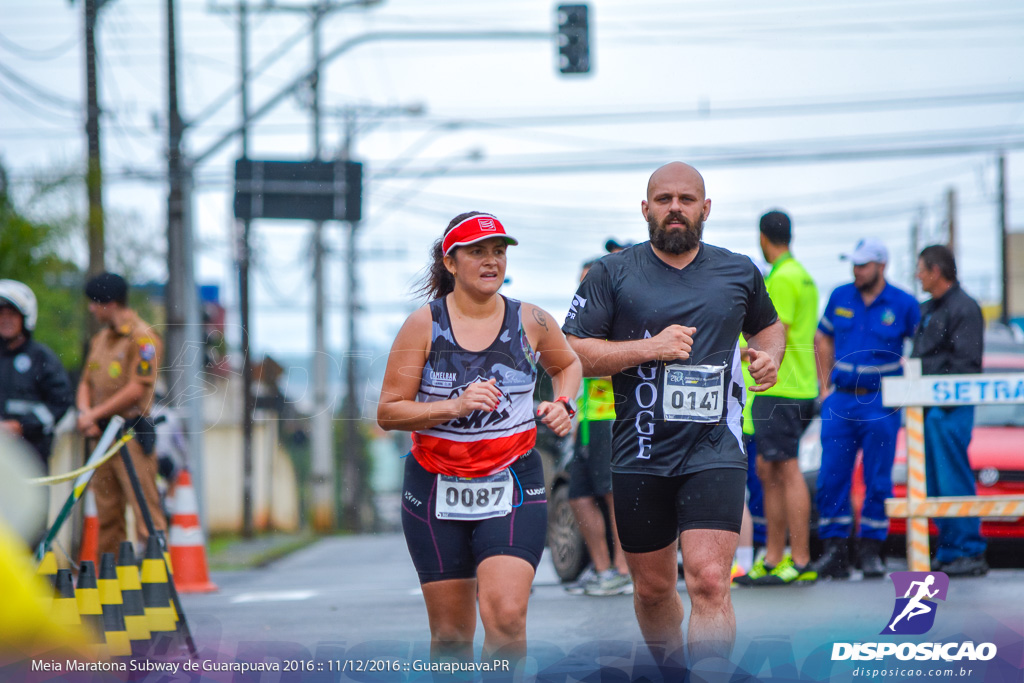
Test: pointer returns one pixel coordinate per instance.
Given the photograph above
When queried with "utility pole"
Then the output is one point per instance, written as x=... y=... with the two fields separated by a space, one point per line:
x=322 y=442
x=248 y=400
x=353 y=492
x=175 y=293
x=355 y=506
x=183 y=336
x=1004 y=233
x=951 y=219
x=94 y=168
x=915 y=240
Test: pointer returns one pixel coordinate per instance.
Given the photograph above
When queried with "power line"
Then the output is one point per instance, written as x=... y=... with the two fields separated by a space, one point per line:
x=30 y=107
x=43 y=55
x=39 y=92
x=706 y=111
x=940 y=143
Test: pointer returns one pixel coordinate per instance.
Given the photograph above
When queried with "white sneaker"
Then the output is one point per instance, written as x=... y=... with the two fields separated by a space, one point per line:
x=586 y=577
x=611 y=582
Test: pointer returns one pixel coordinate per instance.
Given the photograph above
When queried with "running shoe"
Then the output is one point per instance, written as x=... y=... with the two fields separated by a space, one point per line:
x=610 y=582
x=579 y=586
x=974 y=565
x=736 y=571
x=787 y=572
x=758 y=571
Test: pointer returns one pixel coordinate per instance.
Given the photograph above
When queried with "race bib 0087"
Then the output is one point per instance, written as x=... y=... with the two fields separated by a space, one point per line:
x=476 y=498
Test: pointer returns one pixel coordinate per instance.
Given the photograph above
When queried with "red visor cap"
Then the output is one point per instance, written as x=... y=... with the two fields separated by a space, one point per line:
x=475 y=229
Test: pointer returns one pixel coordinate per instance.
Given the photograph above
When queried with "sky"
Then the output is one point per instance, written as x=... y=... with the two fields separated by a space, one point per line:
x=854 y=117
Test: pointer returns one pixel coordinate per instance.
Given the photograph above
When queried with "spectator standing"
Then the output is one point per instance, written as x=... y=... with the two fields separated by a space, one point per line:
x=782 y=413
x=859 y=340
x=950 y=341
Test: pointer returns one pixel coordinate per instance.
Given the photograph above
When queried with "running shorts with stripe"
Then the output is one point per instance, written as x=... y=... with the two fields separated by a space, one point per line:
x=452 y=549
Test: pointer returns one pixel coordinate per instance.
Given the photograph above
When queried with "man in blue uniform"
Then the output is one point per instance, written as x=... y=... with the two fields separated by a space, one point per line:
x=859 y=341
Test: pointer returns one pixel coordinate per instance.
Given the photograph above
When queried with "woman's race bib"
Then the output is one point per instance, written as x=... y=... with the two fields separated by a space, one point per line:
x=465 y=498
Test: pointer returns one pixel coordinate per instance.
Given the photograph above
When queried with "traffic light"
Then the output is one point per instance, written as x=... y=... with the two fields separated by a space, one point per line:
x=573 y=39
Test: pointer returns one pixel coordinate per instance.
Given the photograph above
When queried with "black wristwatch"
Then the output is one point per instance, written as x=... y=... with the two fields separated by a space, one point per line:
x=570 y=405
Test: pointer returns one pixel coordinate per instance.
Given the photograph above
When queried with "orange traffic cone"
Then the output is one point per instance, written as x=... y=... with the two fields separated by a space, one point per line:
x=90 y=531
x=187 y=545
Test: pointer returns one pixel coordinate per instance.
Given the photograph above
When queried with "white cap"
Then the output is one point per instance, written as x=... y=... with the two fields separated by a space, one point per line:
x=868 y=250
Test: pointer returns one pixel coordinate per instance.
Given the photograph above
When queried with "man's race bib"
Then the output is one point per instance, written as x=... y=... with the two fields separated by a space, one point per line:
x=468 y=498
x=694 y=393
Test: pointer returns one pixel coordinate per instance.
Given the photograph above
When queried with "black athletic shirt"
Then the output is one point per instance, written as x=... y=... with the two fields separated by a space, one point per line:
x=633 y=295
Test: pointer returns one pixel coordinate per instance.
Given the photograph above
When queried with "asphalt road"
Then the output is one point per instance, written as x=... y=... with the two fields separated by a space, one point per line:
x=357 y=598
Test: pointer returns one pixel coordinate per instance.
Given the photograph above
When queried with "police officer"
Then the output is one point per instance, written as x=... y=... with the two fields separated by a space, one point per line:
x=859 y=340
x=35 y=391
x=118 y=379
x=950 y=341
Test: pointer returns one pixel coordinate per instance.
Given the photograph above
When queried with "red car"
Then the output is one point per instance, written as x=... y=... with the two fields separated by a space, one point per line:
x=996 y=453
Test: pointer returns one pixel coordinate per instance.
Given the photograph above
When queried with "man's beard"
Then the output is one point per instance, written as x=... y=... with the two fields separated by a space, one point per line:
x=678 y=240
x=868 y=285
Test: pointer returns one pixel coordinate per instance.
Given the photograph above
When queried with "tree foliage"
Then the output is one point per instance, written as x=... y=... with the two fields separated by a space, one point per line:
x=30 y=252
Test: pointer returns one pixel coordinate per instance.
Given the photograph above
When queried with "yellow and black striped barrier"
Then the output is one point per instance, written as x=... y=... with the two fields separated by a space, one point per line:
x=87 y=597
x=65 y=605
x=136 y=622
x=114 y=631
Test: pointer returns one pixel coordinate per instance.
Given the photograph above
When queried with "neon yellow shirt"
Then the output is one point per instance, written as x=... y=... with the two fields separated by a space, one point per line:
x=597 y=403
x=748 y=381
x=796 y=301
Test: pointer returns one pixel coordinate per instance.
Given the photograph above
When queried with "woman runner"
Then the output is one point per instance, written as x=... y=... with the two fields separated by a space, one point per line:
x=460 y=377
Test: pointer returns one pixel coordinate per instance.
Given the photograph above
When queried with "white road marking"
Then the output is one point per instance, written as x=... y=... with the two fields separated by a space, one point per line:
x=273 y=596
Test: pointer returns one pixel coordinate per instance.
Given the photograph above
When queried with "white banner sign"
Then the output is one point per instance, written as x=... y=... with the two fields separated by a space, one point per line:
x=954 y=390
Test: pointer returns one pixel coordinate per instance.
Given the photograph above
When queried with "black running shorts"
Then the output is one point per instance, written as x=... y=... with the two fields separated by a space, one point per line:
x=451 y=549
x=778 y=425
x=590 y=475
x=651 y=511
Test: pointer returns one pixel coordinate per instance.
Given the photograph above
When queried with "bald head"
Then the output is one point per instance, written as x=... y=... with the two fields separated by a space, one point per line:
x=673 y=173
x=676 y=208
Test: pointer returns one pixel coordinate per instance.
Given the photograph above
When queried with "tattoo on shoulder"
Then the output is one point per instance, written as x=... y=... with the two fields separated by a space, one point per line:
x=541 y=319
